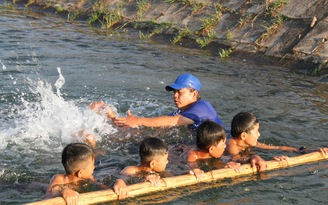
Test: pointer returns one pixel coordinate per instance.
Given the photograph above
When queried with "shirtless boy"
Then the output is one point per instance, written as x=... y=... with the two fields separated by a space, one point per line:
x=78 y=161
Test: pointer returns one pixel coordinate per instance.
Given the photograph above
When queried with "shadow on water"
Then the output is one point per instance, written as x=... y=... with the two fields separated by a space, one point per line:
x=38 y=116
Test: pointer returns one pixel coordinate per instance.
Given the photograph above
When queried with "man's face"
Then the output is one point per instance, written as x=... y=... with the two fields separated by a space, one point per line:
x=184 y=97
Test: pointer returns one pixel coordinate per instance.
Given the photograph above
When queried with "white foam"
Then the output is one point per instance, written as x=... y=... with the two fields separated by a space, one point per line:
x=47 y=120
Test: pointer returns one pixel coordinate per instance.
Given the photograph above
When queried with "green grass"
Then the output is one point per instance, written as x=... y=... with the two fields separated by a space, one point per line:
x=142 y=6
x=154 y=28
x=225 y=53
x=182 y=34
x=204 y=41
x=107 y=18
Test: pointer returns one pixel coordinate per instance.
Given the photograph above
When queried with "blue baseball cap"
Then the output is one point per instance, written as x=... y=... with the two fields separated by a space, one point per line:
x=183 y=81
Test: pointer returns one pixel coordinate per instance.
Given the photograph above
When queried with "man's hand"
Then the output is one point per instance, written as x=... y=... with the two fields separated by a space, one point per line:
x=130 y=121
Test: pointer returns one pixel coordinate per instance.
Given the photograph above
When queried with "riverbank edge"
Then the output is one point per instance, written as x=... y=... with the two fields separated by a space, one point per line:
x=140 y=15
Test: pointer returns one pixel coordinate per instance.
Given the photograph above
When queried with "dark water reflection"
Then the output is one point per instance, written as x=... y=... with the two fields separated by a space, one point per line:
x=131 y=74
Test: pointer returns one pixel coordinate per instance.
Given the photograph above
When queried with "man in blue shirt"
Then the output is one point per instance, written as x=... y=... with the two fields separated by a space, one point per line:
x=191 y=110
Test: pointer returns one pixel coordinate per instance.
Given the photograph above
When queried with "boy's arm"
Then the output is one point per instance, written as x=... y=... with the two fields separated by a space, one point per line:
x=191 y=161
x=71 y=197
x=254 y=160
x=285 y=148
x=54 y=189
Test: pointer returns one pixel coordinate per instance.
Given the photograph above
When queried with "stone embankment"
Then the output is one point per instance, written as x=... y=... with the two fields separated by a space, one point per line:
x=290 y=33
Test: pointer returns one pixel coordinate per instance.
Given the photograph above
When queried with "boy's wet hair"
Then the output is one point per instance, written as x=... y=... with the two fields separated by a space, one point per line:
x=150 y=148
x=208 y=134
x=74 y=154
x=243 y=122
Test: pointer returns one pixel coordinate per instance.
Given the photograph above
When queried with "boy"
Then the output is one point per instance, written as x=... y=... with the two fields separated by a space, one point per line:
x=211 y=143
x=78 y=161
x=245 y=134
x=153 y=154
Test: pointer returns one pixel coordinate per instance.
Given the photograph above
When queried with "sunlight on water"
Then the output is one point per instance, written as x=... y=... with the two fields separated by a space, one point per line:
x=3 y=65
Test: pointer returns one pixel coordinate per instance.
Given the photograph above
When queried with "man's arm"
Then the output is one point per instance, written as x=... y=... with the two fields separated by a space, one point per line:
x=161 y=121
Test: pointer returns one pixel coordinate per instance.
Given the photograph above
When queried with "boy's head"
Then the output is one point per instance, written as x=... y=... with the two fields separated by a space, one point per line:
x=245 y=125
x=153 y=152
x=211 y=137
x=78 y=159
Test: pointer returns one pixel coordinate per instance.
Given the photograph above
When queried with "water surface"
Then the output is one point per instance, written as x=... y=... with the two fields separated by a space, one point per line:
x=38 y=115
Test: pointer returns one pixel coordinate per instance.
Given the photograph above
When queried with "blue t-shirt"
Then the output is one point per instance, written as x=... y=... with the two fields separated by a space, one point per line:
x=199 y=112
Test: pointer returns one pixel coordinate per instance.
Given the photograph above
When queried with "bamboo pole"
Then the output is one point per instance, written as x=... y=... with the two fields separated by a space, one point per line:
x=185 y=180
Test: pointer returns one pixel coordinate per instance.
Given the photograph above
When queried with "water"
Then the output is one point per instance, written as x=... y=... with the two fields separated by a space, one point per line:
x=51 y=69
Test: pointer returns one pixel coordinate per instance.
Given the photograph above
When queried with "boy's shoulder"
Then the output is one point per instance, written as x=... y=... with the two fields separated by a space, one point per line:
x=59 y=179
x=130 y=170
x=231 y=142
x=192 y=155
x=55 y=184
x=232 y=147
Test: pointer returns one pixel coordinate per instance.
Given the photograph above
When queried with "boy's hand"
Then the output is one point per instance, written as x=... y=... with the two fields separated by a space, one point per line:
x=233 y=165
x=198 y=173
x=96 y=106
x=281 y=158
x=324 y=151
x=257 y=161
x=71 y=197
x=102 y=108
x=120 y=189
x=154 y=179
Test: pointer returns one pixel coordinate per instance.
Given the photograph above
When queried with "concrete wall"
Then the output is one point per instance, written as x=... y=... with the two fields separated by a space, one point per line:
x=291 y=33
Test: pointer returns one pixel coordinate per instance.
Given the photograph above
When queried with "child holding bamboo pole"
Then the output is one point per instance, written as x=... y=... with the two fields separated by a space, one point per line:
x=245 y=134
x=153 y=154
x=78 y=161
x=211 y=143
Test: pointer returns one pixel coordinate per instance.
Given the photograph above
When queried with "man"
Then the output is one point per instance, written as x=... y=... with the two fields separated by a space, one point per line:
x=191 y=109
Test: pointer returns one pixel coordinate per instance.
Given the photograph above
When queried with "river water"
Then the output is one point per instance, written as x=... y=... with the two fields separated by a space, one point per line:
x=50 y=69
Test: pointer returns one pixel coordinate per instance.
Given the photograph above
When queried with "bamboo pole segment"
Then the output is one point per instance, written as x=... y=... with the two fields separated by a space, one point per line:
x=184 y=180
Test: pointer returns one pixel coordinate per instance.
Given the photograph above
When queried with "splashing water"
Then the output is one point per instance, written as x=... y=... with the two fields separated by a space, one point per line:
x=60 y=81
x=48 y=121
